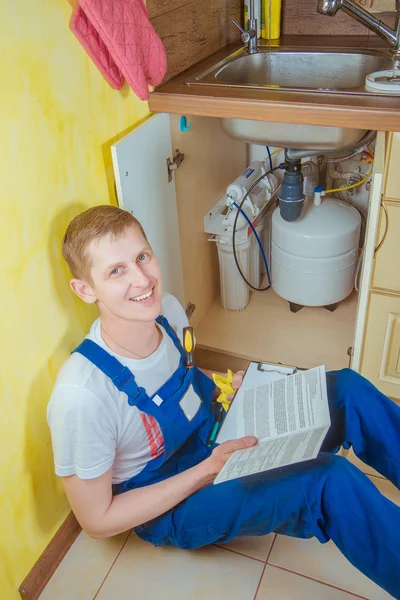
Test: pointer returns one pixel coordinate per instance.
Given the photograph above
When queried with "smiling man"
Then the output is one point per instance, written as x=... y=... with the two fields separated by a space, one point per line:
x=130 y=422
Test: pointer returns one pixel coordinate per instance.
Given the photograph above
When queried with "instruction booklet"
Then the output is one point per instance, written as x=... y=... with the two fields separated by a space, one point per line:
x=285 y=409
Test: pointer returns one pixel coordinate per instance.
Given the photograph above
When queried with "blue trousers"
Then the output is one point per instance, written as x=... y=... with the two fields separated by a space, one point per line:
x=327 y=498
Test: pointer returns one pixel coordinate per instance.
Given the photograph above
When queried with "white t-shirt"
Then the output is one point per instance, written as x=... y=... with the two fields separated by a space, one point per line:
x=93 y=428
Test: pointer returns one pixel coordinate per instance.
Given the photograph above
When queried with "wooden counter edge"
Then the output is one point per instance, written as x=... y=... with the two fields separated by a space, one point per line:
x=358 y=117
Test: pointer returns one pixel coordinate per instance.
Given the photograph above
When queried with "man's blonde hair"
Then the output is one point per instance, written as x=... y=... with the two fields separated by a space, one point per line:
x=90 y=225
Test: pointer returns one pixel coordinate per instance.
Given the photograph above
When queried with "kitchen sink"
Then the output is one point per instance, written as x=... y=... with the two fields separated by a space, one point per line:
x=319 y=70
x=297 y=69
x=292 y=135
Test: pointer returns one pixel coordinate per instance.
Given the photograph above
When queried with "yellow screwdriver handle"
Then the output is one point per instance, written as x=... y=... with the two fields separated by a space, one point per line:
x=188 y=344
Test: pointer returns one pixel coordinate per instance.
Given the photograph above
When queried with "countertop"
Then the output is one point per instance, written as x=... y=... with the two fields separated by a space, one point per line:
x=358 y=111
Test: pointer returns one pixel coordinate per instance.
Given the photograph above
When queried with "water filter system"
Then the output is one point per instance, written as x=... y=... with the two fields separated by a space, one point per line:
x=309 y=248
x=314 y=259
x=238 y=233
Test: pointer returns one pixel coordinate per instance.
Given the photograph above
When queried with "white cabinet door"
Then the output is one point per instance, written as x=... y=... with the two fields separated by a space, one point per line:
x=140 y=169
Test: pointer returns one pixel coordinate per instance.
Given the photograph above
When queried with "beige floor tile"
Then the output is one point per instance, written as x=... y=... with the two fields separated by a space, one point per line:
x=84 y=567
x=143 y=572
x=361 y=465
x=325 y=563
x=256 y=547
x=282 y=585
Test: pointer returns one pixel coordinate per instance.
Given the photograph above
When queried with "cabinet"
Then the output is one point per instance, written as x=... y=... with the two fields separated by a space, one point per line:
x=387 y=261
x=144 y=190
x=392 y=183
x=368 y=322
x=380 y=361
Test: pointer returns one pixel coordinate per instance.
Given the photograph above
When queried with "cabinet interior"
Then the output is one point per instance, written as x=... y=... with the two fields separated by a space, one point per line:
x=266 y=330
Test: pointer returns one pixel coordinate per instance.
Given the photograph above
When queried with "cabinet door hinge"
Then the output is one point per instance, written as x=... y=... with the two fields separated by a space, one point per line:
x=190 y=309
x=175 y=163
x=350 y=354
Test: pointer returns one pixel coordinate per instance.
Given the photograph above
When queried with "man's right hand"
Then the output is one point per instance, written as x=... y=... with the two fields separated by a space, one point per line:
x=221 y=453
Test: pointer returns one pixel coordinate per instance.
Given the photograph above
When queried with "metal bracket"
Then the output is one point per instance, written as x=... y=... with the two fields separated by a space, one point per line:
x=260 y=368
x=350 y=354
x=174 y=164
x=190 y=309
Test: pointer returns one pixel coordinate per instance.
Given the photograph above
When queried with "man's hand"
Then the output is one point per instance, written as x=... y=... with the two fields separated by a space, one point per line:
x=237 y=381
x=222 y=452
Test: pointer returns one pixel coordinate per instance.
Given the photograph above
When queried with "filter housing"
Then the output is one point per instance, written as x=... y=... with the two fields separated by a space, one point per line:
x=313 y=260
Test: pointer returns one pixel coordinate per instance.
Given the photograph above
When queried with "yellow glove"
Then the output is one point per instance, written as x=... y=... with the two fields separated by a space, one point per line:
x=225 y=385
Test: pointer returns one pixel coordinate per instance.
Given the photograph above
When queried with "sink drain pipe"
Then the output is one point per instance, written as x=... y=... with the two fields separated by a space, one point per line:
x=296 y=155
x=291 y=195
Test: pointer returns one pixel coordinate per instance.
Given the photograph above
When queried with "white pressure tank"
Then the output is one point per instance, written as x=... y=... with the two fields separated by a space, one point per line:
x=313 y=260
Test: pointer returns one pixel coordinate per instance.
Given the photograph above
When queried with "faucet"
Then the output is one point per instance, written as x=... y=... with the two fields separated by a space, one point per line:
x=391 y=36
x=250 y=36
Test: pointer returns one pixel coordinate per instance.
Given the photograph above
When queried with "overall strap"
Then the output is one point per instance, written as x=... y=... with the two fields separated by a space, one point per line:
x=121 y=376
x=161 y=320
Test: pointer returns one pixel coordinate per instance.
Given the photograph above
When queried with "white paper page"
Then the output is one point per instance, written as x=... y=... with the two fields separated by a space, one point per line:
x=292 y=404
x=272 y=454
x=253 y=378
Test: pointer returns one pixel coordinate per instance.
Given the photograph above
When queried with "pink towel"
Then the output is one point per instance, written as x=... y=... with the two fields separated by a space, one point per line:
x=121 y=41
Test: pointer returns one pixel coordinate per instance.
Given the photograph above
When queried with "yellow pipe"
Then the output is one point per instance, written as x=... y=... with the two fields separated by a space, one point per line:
x=353 y=185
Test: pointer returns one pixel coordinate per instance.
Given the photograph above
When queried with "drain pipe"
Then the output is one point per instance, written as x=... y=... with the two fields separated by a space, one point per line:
x=295 y=155
x=291 y=195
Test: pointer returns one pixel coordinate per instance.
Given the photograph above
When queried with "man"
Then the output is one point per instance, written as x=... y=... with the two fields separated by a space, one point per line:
x=130 y=423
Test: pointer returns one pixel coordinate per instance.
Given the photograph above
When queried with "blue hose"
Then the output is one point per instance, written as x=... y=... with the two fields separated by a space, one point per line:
x=270 y=157
x=258 y=240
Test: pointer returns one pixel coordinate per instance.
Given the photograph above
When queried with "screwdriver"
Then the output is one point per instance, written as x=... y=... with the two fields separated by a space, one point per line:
x=188 y=344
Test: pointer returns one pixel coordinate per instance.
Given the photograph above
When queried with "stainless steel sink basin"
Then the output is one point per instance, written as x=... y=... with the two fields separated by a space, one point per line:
x=291 y=135
x=321 y=70
x=297 y=69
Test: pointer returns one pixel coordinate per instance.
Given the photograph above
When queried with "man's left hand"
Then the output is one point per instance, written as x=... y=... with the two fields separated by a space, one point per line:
x=237 y=381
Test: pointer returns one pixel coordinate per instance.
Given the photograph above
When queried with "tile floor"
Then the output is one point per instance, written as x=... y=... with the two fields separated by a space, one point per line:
x=270 y=568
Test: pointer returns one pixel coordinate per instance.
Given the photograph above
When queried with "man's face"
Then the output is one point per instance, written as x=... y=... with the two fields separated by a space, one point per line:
x=126 y=276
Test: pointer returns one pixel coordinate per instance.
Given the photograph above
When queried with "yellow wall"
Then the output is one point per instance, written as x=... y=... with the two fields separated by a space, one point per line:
x=58 y=118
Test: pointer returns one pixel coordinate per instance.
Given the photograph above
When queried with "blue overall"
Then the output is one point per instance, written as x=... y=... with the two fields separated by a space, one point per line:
x=326 y=498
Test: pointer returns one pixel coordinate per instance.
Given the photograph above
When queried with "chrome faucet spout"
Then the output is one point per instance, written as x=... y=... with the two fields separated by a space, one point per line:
x=249 y=37
x=252 y=28
x=391 y=36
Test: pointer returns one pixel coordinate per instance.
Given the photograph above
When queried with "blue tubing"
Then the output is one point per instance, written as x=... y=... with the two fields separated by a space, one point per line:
x=258 y=240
